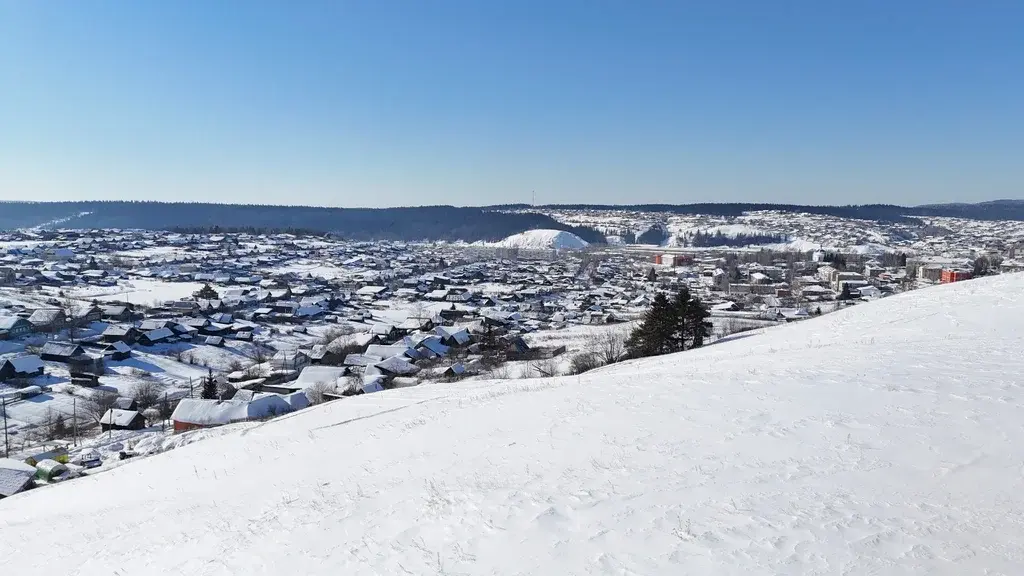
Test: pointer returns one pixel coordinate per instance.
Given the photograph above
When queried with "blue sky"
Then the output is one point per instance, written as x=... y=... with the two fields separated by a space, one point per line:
x=469 y=102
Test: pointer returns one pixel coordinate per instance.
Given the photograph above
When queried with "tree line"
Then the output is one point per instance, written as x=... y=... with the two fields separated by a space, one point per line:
x=405 y=224
x=994 y=210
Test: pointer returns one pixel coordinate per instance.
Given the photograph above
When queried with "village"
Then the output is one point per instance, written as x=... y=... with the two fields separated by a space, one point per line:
x=117 y=344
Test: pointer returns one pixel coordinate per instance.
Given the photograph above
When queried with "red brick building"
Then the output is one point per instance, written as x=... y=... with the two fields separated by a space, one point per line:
x=949 y=275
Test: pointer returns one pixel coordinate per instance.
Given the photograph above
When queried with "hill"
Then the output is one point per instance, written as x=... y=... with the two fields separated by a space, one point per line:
x=882 y=439
x=544 y=240
x=409 y=224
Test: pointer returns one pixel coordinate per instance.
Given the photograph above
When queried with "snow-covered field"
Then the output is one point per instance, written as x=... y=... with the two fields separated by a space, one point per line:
x=139 y=291
x=882 y=439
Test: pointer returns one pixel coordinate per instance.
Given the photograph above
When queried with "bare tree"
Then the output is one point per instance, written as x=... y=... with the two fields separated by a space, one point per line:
x=501 y=372
x=542 y=368
x=146 y=394
x=53 y=427
x=96 y=406
x=71 y=309
x=317 y=393
x=609 y=346
x=584 y=362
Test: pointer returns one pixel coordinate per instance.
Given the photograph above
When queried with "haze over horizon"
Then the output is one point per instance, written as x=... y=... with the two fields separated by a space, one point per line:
x=468 y=103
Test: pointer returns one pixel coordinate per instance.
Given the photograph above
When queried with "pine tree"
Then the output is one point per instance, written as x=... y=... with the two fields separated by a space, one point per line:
x=845 y=294
x=60 y=429
x=165 y=408
x=206 y=293
x=690 y=321
x=654 y=334
x=699 y=327
x=652 y=276
x=680 y=320
x=209 y=389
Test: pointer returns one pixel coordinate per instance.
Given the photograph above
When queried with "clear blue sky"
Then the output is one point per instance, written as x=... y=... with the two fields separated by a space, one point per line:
x=382 y=103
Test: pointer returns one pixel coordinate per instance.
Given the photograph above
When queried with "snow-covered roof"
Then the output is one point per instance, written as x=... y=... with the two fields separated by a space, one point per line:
x=390 y=350
x=397 y=365
x=159 y=334
x=370 y=290
x=8 y=322
x=117 y=417
x=216 y=412
x=460 y=335
x=14 y=476
x=120 y=347
x=66 y=349
x=362 y=360
x=312 y=375
x=26 y=364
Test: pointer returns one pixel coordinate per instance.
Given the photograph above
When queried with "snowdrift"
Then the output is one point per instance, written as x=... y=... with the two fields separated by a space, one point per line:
x=544 y=240
x=882 y=439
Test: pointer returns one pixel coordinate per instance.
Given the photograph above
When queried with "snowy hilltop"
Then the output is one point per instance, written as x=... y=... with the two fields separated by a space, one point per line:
x=544 y=240
x=884 y=438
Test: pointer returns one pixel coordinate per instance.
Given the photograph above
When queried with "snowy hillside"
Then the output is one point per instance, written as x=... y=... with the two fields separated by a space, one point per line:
x=544 y=240
x=882 y=439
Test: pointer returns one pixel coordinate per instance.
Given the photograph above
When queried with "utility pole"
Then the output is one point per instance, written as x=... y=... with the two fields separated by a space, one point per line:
x=74 y=416
x=7 y=443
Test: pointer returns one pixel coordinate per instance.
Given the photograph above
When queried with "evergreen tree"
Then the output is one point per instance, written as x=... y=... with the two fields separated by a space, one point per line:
x=206 y=293
x=845 y=294
x=652 y=276
x=698 y=325
x=60 y=429
x=690 y=321
x=165 y=408
x=209 y=389
x=654 y=334
x=670 y=326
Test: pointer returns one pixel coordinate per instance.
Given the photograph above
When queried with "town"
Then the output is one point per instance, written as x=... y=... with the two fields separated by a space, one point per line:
x=118 y=344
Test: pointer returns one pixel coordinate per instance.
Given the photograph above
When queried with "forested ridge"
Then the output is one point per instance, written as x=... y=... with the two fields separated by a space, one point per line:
x=993 y=210
x=412 y=223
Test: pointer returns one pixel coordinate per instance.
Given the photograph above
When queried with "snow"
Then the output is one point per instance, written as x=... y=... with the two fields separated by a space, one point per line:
x=544 y=240
x=881 y=439
x=140 y=291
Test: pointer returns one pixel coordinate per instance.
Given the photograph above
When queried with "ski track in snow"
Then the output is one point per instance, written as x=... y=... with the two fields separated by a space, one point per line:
x=881 y=439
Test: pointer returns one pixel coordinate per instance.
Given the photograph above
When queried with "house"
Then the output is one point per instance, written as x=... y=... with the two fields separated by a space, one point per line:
x=61 y=351
x=217 y=341
x=117 y=351
x=154 y=337
x=116 y=313
x=371 y=291
x=114 y=333
x=869 y=292
x=14 y=477
x=125 y=403
x=397 y=366
x=21 y=367
x=193 y=413
x=117 y=419
x=86 y=315
x=47 y=319
x=453 y=337
x=14 y=327
x=155 y=324
x=384 y=332
x=319 y=375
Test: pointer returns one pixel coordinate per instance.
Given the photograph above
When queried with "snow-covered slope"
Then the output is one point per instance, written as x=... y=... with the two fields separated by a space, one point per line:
x=883 y=439
x=544 y=240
